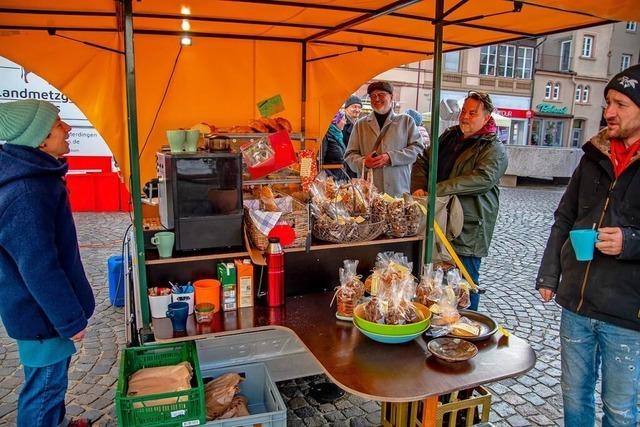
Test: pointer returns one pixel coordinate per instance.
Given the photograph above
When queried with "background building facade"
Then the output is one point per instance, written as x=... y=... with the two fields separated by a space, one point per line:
x=547 y=91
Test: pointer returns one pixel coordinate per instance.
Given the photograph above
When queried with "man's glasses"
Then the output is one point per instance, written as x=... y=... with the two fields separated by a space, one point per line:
x=379 y=95
x=482 y=97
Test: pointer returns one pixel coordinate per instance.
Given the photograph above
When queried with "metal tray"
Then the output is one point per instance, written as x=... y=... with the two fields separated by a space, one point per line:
x=488 y=326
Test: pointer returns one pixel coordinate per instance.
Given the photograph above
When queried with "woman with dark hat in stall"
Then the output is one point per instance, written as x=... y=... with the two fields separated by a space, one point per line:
x=333 y=147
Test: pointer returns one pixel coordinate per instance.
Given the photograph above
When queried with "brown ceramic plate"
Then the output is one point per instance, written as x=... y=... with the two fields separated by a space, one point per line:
x=452 y=349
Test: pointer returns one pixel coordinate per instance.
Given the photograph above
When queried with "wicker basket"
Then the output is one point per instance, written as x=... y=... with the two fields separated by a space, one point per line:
x=298 y=219
x=348 y=232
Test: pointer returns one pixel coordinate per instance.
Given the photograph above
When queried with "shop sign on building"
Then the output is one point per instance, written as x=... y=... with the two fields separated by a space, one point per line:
x=551 y=109
x=17 y=83
x=513 y=113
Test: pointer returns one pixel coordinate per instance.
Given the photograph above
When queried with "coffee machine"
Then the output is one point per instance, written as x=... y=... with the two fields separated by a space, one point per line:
x=200 y=198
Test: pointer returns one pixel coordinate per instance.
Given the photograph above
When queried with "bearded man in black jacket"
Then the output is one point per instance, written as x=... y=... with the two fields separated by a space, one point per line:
x=600 y=298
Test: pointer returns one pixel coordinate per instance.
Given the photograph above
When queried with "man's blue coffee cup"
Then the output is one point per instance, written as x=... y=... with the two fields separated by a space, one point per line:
x=584 y=243
x=178 y=313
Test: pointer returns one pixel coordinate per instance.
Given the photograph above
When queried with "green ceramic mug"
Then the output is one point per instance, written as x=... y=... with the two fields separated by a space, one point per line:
x=177 y=139
x=164 y=240
x=191 y=141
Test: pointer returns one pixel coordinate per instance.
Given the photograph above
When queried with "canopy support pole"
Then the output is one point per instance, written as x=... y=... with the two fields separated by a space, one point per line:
x=303 y=90
x=435 y=128
x=134 y=163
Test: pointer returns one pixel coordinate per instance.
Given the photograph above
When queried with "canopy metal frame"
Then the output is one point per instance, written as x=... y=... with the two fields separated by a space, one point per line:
x=125 y=20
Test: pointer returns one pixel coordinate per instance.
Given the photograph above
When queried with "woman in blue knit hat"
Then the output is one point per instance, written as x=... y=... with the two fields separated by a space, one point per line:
x=417 y=117
x=333 y=148
x=45 y=297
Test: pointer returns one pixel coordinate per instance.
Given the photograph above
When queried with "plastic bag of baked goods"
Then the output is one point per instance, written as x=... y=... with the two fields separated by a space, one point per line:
x=351 y=288
x=354 y=198
x=395 y=218
x=460 y=287
x=390 y=267
x=375 y=310
x=378 y=209
x=425 y=286
x=447 y=309
x=400 y=308
x=415 y=215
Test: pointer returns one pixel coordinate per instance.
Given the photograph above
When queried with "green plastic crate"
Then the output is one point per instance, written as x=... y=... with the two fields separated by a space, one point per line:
x=179 y=414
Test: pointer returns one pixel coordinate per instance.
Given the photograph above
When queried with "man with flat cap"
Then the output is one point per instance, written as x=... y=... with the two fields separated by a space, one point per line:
x=600 y=298
x=45 y=297
x=385 y=142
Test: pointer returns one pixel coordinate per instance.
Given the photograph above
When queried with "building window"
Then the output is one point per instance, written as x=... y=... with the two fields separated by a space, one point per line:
x=452 y=62
x=524 y=64
x=587 y=46
x=578 y=93
x=547 y=91
x=546 y=133
x=577 y=133
x=565 y=55
x=506 y=60
x=552 y=134
x=488 y=60
x=556 y=91
x=631 y=26
x=585 y=94
x=625 y=62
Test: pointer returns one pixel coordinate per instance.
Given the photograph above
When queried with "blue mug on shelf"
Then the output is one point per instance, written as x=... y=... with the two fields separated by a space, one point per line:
x=178 y=313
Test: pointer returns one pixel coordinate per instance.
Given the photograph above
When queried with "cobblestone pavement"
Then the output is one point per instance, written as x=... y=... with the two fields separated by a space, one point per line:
x=507 y=273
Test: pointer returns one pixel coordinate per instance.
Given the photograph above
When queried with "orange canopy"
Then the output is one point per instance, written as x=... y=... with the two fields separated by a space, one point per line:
x=247 y=50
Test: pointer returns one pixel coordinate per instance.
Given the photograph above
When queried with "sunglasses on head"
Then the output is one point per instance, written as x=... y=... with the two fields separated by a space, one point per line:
x=482 y=97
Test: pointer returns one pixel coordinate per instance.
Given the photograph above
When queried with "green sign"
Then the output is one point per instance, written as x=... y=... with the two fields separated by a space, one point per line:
x=270 y=106
x=551 y=109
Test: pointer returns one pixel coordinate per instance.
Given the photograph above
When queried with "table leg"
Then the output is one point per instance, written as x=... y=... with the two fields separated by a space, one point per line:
x=429 y=407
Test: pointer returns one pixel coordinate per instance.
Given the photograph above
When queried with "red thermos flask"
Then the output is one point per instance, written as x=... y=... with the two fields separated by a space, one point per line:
x=275 y=273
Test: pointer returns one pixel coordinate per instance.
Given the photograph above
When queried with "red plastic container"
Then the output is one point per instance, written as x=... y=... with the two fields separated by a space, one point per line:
x=284 y=156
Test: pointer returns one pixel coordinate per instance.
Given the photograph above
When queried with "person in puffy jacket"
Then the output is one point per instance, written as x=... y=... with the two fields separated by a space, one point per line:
x=45 y=297
x=600 y=298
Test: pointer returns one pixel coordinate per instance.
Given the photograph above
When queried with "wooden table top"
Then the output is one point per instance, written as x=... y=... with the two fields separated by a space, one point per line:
x=384 y=372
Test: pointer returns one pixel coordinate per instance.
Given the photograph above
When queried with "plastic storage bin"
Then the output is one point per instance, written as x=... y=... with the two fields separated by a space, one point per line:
x=188 y=410
x=116 y=280
x=264 y=401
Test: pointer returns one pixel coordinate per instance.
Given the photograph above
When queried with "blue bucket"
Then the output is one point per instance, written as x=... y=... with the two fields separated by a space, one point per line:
x=116 y=280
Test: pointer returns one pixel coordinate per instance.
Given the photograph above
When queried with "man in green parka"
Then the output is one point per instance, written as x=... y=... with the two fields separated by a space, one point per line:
x=471 y=161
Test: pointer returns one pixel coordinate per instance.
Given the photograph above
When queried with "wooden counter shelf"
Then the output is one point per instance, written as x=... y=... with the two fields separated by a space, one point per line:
x=153 y=259
x=305 y=272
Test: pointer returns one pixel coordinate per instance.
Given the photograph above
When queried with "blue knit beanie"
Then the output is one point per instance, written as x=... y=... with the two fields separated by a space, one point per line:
x=26 y=122
x=415 y=115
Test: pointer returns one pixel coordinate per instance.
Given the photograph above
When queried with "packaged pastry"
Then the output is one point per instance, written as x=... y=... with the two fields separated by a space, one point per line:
x=374 y=310
x=395 y=218
x=460 y=287
x=447 y=312
x=351 y=288
x=413 y=213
